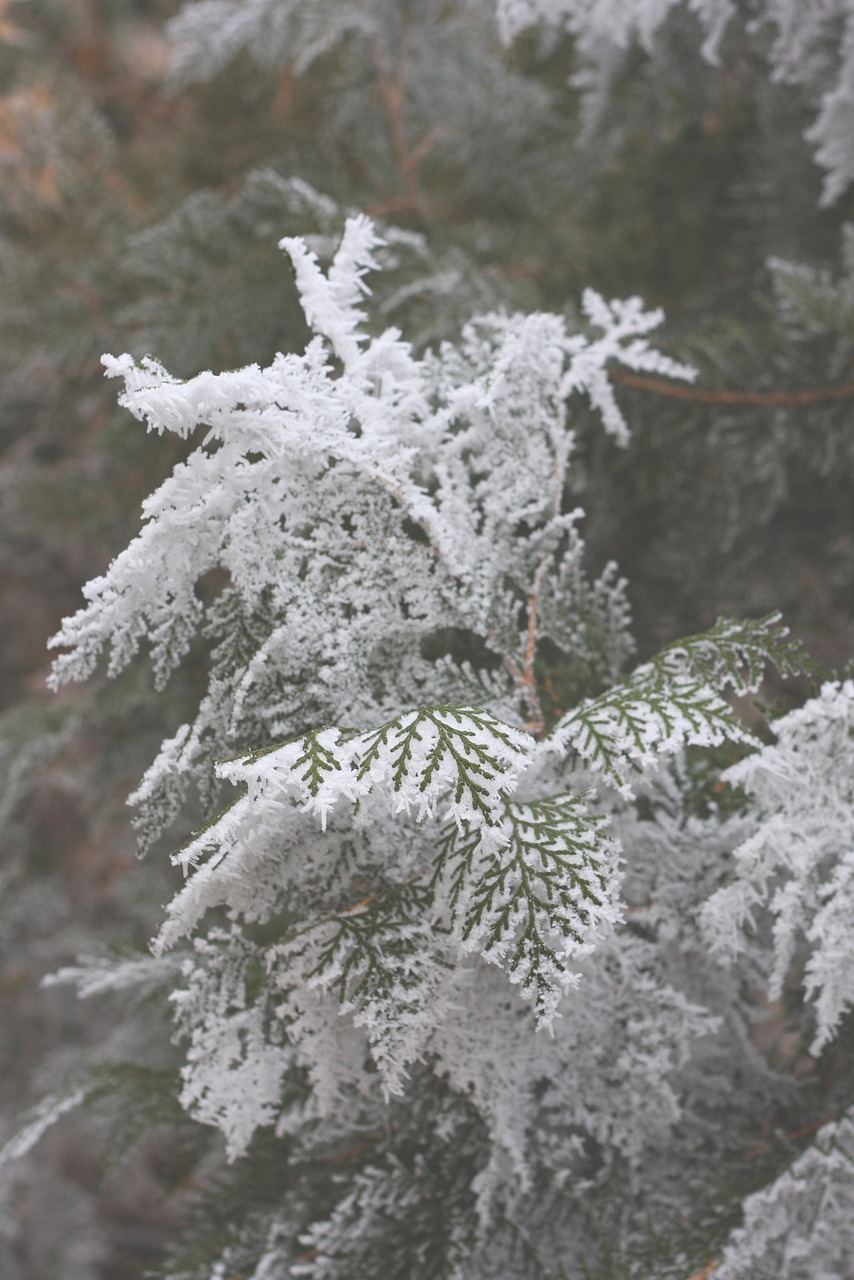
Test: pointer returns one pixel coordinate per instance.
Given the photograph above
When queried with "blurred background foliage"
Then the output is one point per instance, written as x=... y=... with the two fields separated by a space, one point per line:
x=147 y=171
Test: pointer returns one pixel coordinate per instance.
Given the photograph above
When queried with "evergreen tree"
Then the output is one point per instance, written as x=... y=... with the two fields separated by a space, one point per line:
x=466 y=980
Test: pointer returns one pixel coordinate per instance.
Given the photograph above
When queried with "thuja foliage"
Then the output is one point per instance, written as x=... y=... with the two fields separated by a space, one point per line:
x=468 y=968
x=811 y=46
x=407 y=935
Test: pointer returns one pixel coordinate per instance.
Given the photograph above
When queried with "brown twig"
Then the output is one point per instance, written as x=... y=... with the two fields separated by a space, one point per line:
x=523 y=676
x=537 y=727
x=705 y=1272
x=391 y=89
x=357 y=1149
x=394 y=204
x=763 y=1148
x=702 y=395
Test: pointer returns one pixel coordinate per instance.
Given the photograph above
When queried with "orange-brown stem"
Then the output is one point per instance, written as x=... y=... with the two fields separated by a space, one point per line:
x=391 y=90
x=763 y=1148
x=705 y=1272
x=702 y=395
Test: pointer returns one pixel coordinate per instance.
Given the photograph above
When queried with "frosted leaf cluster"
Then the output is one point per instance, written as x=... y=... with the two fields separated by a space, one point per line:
x=413 y=873
x=814 y=47
x=677 y=699
x=799 y=1228
x=597 y=22
x=810 y=45
x=392 y=499
x=396 y=501
x=799 y=863
x=813 y=303
x=207 y=34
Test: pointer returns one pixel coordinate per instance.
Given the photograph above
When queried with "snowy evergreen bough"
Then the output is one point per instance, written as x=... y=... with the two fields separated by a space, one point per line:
x=490 y=950
x=407 y=935
x=809 y=45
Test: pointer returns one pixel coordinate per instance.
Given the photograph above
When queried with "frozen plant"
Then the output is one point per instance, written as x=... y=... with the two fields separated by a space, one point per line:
x=404 y=924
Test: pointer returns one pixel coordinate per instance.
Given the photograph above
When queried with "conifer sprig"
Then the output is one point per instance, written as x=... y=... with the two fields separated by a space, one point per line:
x=677 y=699
x=465 y=752
x=403 y=857
x=536 y=899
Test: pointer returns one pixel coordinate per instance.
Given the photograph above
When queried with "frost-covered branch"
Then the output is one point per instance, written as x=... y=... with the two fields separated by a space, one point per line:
x=409 y=877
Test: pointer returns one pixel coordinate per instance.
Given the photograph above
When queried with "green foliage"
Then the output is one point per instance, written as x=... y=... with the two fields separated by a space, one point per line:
x=540 y=888
x=474 y=746
x=677 y=697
